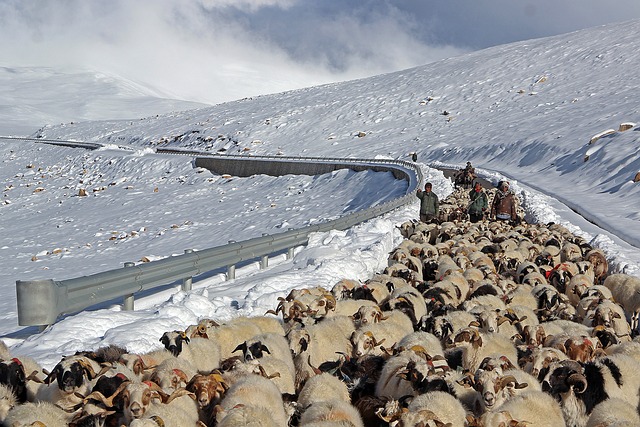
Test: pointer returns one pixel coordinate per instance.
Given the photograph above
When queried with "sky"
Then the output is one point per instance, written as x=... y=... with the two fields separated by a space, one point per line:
x=234 y=49
x=544 y=114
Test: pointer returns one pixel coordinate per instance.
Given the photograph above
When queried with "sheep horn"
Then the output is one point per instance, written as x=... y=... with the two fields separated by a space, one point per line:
x=578 y=381
x=91 y=374
x=179 y=393
x=107 y=401
x=156 y=419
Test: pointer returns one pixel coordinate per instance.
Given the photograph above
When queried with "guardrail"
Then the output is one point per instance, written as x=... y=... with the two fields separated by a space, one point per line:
x=41 y=302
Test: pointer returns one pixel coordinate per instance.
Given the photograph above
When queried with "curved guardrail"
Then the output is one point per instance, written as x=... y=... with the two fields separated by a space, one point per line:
x=41 y=302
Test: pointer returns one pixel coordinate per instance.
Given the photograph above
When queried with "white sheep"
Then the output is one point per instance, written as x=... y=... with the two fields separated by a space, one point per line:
x=322 y=342
x=335 y=411
x=322 y=387
x=7 y=401
x=391 y=384
x=257 y=391
x=425 y=340
x=446 y=408
x=626 y=290
x=267 y=345
x=614 y=412
x=476 y=346
x=532 y=409
x=202 y=353
x=30 y=414
x=369 y=339
x=247 y=416
x=172 y=374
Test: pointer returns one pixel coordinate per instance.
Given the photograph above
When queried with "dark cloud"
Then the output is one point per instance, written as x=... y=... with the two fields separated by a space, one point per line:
x=217 y=50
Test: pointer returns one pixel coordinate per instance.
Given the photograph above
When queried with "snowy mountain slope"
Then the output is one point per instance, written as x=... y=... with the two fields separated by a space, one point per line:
x=526 y=111
x=49 y=96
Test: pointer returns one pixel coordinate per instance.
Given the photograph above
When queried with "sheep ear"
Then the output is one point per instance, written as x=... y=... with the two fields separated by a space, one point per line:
x=264 y=348
x=240 y=347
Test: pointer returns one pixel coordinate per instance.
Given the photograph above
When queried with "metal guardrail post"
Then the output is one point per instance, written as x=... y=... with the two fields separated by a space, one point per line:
x=187 y=282
x=264 y=259
x=231 y=269
x=127 y=304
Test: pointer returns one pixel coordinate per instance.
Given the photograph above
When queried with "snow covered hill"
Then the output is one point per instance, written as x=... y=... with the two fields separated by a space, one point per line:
x=526 y=111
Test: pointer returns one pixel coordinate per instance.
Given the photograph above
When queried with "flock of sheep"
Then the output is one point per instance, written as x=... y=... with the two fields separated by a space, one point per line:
x=484 y=324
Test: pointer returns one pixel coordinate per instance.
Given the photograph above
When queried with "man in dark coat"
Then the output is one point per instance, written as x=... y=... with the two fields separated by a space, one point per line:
x=503 y=207
x=429 y=204
x=479 y=203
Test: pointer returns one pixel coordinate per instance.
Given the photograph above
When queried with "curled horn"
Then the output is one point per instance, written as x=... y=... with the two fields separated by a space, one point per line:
x=267 y=376
x=578 y=381
x=502 y=382
x=107 y=401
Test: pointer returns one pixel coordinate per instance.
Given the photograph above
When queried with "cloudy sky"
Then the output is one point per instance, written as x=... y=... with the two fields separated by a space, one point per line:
x=218 y=50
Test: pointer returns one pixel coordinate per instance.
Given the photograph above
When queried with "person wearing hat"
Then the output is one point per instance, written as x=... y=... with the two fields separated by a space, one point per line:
x=503 y=207
x=470 y=170
x=429 y=204
x=479 y=203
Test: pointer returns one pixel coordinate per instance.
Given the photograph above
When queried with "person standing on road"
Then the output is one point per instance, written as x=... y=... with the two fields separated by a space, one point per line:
x=503 y=207
x=429 y=204
x=479 y=203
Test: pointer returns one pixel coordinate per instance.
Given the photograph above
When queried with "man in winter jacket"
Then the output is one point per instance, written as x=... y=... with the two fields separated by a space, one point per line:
x=503 y=207
x=479 y=203
x=429 y=204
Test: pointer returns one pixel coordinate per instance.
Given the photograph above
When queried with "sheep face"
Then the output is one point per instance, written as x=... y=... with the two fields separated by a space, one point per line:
x=137 y=398
x=70 y=373
x=365 y=343
x=299 y=340
x=172 y=341
x=12 y=375
x=208 y=389
x=253 y=351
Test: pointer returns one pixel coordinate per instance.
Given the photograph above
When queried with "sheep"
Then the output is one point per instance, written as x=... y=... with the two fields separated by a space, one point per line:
x=344 y=288
x=315 y=344
x=232 y=333
x=427 y=341
x=177 y=412
x=540 y=359
x=73 y=375
x=580 y=387
x=208 y=391
x=32 y=414
x=7 y=401
x=172 y=374
x=323 y=387
x=143 y=399
x=247 y=416
x=253 y=391
x=446 y=409
x=476 y=346
x=408 y=300
x=350 y=307
x=391 y=383
x=626 y=290
x=12 y=375
x=613 y=412
x=611 y=316
x=600 y=264
x=373 y=290
x=267 y=345
x=202 y=353
x=577 y=287
x=531 y=409
x=497 y=386
x=338 y=412
x=367 y=340
x=447 y=325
